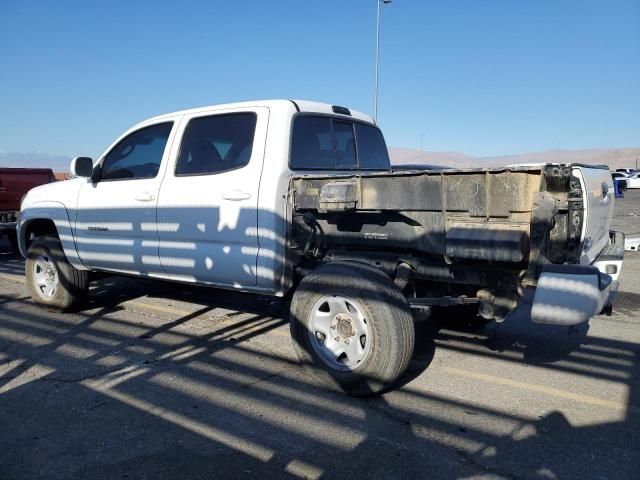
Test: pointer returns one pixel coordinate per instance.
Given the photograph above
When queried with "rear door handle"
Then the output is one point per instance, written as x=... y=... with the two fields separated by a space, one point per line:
x=145 y=197
x=236 y=195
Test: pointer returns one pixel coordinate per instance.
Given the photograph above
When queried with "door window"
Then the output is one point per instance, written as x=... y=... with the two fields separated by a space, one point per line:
x=138 y=155
x=215 y=144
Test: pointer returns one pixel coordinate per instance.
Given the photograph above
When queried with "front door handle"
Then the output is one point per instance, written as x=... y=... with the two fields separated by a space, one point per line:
x=145 y=197
x=236 y=195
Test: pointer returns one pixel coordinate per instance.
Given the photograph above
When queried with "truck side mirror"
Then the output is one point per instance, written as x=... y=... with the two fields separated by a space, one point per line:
x=81 y=167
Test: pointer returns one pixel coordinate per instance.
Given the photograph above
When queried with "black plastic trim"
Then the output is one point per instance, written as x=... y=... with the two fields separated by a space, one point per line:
x=341 y=110
x=600 y=167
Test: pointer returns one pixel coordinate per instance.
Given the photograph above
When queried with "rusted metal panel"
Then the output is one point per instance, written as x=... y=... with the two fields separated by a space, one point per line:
x=495 y=242
x=490 y=193
x=475 y=215
x=510 y=192
x=340 y=195
x=419 y=192
x=465 y=193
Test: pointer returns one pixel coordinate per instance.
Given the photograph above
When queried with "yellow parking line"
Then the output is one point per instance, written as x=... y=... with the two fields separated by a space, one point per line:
x=551 y=391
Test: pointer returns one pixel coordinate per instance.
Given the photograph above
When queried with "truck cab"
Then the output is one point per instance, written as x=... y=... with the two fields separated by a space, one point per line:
x=180 y=196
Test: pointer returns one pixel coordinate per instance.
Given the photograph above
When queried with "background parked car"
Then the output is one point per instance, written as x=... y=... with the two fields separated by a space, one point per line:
x=14 y=184
x=633 y=181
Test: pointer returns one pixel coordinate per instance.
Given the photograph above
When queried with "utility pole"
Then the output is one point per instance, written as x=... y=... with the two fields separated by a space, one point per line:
x=375 y=108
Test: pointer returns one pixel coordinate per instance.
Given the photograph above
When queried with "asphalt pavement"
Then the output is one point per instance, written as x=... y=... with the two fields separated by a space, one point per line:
x=162 y=381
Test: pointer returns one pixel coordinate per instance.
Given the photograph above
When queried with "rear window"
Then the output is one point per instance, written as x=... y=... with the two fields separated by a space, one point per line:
x=371 y=147
x=327 y=143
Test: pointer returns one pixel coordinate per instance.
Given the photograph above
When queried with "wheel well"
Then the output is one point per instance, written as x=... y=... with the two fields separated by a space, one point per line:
x=38 y=227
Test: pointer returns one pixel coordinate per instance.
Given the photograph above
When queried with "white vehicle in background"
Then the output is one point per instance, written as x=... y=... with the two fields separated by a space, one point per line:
x=628 y=171
x=633 y=181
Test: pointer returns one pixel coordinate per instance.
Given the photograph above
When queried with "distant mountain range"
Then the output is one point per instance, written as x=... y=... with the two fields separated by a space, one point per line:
x=57 y=163
x=614 y=157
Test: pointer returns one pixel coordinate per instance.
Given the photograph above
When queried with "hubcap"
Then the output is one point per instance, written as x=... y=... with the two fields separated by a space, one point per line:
x=339 y=332
x=46 y=276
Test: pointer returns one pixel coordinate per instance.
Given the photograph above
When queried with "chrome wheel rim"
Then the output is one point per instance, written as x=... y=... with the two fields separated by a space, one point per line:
x=339 y=332
x=45 y=276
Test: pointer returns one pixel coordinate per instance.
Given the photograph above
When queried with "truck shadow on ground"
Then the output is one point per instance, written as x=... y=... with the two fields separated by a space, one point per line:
x=116 y=397
x=11 y=263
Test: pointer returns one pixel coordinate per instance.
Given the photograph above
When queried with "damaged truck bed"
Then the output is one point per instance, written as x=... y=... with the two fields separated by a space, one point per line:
x=463 y=236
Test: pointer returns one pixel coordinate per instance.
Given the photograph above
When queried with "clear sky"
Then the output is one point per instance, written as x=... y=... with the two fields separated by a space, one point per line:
x=481 y=77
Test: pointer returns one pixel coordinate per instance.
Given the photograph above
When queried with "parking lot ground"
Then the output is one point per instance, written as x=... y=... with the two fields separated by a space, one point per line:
x=157 y=380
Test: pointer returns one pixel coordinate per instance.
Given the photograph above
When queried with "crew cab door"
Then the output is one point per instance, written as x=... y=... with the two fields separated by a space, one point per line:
x=116 y=215
x=208 y=204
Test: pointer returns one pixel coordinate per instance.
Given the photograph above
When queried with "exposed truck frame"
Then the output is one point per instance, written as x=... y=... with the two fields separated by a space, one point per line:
x=450 y=234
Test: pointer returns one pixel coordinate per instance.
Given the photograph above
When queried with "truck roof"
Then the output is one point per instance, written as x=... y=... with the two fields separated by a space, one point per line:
x=300 y=105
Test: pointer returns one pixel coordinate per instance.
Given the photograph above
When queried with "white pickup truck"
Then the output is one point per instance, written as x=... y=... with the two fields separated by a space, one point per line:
x=288 y=196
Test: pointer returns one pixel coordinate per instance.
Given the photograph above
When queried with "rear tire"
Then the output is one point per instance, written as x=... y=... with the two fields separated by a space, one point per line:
x=352 y=328
x=51 y=280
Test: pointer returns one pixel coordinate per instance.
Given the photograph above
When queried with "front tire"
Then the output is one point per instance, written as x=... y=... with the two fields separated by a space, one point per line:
x=51 y=280
x=352 y=328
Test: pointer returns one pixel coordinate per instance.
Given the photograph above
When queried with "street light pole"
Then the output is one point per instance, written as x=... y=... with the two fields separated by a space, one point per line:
x=375 y=109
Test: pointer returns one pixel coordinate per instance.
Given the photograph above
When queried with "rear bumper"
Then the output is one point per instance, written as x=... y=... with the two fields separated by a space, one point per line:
x=572 y=294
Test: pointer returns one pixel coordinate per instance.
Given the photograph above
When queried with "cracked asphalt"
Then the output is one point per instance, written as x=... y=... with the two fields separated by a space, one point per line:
x=160 y=381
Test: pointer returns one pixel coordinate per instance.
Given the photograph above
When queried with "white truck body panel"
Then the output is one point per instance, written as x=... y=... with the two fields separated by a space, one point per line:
x=598 y=194
x=115 y=220
x=207 y=224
